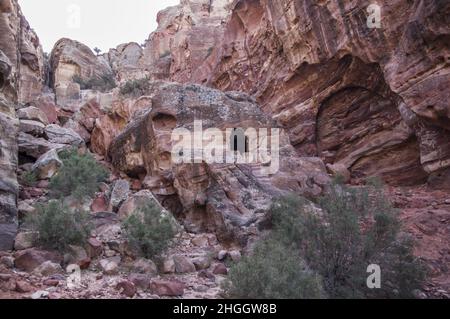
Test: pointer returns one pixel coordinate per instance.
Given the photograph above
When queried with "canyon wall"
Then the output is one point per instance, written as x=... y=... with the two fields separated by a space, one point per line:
x=22 y=77
x=372 y=99
x=375 y=100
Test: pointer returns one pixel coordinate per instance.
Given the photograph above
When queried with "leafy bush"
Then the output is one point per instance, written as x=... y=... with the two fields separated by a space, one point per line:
x=103 y=83
x=149 y=230
x=136 y=88
x=28 y=178
x=79 y=176
x=59 y=226
x=273 y=271
x=353 y=231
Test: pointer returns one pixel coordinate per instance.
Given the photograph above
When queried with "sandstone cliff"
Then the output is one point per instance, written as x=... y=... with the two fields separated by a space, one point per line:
x=374 y=100
x=22 y=77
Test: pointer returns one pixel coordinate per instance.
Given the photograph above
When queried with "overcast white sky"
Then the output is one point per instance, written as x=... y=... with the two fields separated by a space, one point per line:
x=96 y=23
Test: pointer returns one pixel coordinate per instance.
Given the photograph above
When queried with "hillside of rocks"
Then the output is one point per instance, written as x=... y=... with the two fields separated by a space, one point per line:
x=348 y=100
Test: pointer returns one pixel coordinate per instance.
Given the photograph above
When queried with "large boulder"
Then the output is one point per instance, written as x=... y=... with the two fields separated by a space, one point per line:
x=32 y=113
x=47 y=165
x=60 y=135
x=226 y=198
x=29 y=259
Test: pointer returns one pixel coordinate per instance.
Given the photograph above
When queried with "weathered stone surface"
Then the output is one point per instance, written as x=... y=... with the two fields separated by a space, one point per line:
x=338 y=87
x=47 y=165
x=35 y=147
x=183 y=46
x=48 y=268
x=60 y=135
x=144 y=266
x=25 y=240
x=78 y=256
x=201 y=263
x=135 y=202
x=183 y=265
x=70 y=58
x=110 y=266
x=94 y=248
x=167 y=288
x=29 y=259
x=32 y=113
x=222 y=198
x=34 y=128
x=127 y=288
x=20 y=44
x=119 y=193
x=125 y=60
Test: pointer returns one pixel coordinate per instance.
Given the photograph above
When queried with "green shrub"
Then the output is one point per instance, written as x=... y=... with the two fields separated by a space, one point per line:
x=59 y=226
x=29 y=178
x=80 y=175
x=336 y=246
x=103 y=83
x=273 y=271
x=149 y=230
x=136 y=88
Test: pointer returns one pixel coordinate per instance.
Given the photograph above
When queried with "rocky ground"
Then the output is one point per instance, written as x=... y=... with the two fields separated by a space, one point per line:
x=196 y=264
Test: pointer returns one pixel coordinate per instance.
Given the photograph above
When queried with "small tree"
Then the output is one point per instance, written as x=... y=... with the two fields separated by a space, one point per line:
x=273 y=271
x=80 y=175
x=149 y=230
x=59 y=226
x=353 y=231
x=97 y=51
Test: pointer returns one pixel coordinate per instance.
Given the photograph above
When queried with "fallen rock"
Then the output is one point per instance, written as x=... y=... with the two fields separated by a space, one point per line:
x=25 y=209
x=168 y=266
x=167 y=288
x=29 y=259
x=135 y=202
x=222 y=255
x=59 y=135
x=47 y=165
x=201 y=263
x=220 y=269
x=339 y=170
x=99 y=204
x=7 y=261
x=141 y=281
x=23 y=286
x=35 y=147
x=145 y=266
x=25 y=240
x=32 y=113
x=77 y=255
x=34 y=128
x=183 y=265
x=94 y=248
x=127 y=288
x=119 y=193
x=48 y=268
x=110 y=266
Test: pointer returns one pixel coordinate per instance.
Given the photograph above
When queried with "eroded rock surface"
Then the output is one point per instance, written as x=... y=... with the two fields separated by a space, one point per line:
x=317 y=68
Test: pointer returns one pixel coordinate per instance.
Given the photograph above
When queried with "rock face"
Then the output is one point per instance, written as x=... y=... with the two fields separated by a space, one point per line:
x=228 y=199
x=21 y=79
x=70 y=58
x=319 y=70
x=185 y=41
